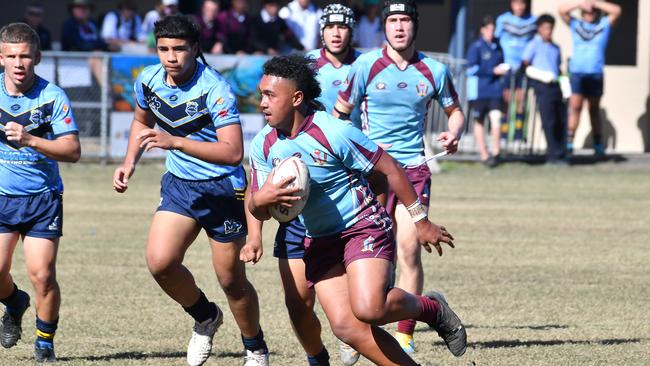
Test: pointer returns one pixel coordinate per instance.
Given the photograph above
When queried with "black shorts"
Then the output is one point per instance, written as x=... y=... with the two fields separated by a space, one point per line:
x=481 y=107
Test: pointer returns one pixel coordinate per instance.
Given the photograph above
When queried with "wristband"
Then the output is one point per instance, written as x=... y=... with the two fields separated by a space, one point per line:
x=417 y=211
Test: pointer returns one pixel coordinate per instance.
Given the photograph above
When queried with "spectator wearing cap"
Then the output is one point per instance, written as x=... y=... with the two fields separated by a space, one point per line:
x=34 y=18
x=79 y=32
x=369 y=32
x=123 y=25
x=270 y=33
x=208 y=27
x=235 y=28
x=302 y=17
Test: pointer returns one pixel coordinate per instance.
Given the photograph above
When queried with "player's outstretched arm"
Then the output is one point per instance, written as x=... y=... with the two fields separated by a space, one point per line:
x=142 y=120
x=566 y=8
x=428 y=232
x=456 y=125
x=272 y=194
x=612 y=10
x=253 y=250
x=65 y=148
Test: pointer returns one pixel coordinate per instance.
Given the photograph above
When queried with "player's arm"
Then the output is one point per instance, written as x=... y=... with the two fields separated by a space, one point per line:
x=448 y=99
x=64 y=148
x=272 y=194
x=349 y=97
x=142 y=121
x=253 y=249
x=428 y=232
x=566 y=8
x=612 y=10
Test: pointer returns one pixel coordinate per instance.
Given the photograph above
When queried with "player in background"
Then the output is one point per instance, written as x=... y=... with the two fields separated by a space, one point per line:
x=394 y=86
x=202 y=189
x=590 y=35
x=513 y=30
x=485 y=63
x=349 y=250
x=333 y=62
x=37 y=129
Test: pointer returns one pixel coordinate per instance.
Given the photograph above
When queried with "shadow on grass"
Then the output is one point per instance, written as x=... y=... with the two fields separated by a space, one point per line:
x=135 y=355
x=553 y=342
x=531 y=327
x=573 y=159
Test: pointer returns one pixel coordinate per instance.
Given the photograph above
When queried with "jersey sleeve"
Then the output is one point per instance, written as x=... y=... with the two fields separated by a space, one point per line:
x=445 y=90
x=529 y=51
x=139 y=92
x=222 y=106
x=260 y=169
x=354 y=148
x=473 y=60
x=356 y=84
x=498 y=27
x=62 y=122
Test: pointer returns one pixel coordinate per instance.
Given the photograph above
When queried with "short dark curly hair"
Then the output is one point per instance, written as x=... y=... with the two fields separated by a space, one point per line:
x=177 y=26
x=299 y=69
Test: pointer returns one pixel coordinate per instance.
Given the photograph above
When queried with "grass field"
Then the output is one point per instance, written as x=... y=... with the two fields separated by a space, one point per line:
x=551 y=268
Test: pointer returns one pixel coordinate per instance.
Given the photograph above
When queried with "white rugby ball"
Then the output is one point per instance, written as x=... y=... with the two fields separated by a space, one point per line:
x=291 y=167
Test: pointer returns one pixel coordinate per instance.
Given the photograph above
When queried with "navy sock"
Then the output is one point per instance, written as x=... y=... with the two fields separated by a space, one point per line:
x=45 y=332
x=256 y=343
x=15 y=303
x=321 y=359
x=202 y=310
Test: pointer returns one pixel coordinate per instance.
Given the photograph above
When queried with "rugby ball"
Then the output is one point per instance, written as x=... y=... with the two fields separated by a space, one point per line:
x=291 y=167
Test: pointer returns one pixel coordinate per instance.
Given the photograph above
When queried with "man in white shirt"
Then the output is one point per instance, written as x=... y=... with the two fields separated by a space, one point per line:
x=123 y=25
x=302 y=17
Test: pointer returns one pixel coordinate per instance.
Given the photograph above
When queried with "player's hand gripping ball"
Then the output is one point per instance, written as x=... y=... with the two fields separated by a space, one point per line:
x=291 y=167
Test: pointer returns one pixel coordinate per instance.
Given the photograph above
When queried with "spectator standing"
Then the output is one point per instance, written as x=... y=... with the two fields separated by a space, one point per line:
x=270 y=34
x=79 y=32
x=34 y=18
x=590 y=35
x=123 y=25
x=165 y=8
x=369 y=32
x=235 y=28
x=209 y=27
x=542 y=59
x=485 y=64
x=302 y=17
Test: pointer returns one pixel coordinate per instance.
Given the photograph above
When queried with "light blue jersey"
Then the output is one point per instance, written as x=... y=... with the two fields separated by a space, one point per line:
x=589 y=44
x=514 y=33
x=45 y=112
x=194 y=110
x=332 y=80
x=545 y=56
x=394 y=102
x=338 y=156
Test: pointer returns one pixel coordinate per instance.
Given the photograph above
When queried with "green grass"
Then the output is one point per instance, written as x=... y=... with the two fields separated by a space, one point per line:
x=551 y=268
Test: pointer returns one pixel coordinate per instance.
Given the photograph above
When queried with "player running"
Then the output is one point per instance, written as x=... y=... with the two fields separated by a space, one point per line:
x=203 y=187
x=590 y=35
x=350 y=247
x=37 y=129
x=395 y=86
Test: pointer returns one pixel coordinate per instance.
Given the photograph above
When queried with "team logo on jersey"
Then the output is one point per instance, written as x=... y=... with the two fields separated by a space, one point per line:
x=486 y=55
x=402 y=85
x=422 y=89
x=380 y=85
x=337 y=82
x=232 y=227
x=154 y=103
x=65 y=108
x=368 y=244
x=36 y=117
x=219 y=101
x=191 y=108
x=67 y=120
x=15 y=107
x=173 y=98
x=319 y=157
x=275 y=161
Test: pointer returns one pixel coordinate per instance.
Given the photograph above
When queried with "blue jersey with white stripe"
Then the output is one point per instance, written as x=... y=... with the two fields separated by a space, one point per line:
x=514 y=33
x=332 y=80
x=394 y=103
x=45 y=112
x=589 y=44
x=338 y=156
x=194 y=110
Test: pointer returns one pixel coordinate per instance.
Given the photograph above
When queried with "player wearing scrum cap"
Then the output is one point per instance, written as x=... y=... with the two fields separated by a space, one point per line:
x=395 y=86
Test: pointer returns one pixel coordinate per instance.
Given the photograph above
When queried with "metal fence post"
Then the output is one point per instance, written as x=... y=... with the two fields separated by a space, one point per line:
x=103 y=132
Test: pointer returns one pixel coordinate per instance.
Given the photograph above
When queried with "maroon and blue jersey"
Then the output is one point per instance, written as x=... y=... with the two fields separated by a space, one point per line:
x=333 y=79
x=394 y=102
x=338 y=157
x=44 y=111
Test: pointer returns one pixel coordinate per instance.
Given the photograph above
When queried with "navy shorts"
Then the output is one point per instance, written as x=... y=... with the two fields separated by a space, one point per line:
x=479 y=108
x=215 y=204
x=39 y=215
x=587 y=84
x=518 y=79
x=289 y=240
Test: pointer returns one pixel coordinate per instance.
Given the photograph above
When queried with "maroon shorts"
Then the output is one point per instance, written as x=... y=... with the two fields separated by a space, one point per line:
x=370 y=237
x=420 y=177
